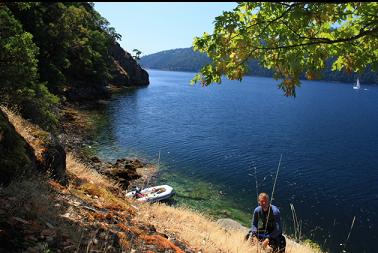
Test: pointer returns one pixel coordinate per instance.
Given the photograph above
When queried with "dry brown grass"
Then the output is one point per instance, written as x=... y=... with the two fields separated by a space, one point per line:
x=201 y=231
x=32 y=196
x=77 y=169
x=35 y=201
x=90 y=182
x=106 y=198
x=33 y=134
x=80 y=118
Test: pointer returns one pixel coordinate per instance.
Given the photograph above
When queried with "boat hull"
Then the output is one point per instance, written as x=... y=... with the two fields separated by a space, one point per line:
x=153 y=194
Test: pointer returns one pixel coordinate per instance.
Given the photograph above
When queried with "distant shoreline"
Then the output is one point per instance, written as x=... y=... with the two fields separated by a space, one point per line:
x=315 y=80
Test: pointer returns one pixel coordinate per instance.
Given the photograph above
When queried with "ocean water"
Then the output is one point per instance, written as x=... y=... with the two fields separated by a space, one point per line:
x=216 y=142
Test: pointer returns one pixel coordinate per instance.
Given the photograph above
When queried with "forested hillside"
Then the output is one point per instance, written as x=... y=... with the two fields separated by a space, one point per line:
x=185 y=59
x=180 y=59
x=54 y=52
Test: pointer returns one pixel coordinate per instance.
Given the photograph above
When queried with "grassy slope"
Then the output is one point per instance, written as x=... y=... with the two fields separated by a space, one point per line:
x=92 y=214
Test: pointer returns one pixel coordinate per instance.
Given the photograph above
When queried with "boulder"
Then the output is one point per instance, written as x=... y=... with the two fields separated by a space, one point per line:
x=123 y=170
x=54 y=161
x=95 y=159
x=230 y=224
x=128 y=164
x=16 y=155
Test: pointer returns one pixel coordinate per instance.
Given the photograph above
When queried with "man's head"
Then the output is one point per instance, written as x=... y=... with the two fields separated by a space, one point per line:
x=263 y=201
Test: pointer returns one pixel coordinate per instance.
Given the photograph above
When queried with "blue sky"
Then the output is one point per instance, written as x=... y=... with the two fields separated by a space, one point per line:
x=153 y=27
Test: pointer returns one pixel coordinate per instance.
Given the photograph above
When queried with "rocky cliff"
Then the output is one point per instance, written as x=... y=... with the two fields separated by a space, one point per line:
x=127 y=71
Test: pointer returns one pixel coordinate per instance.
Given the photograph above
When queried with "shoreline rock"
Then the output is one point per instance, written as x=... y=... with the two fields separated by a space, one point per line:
x=230 y=224
x=122 y=171
x=129 y=172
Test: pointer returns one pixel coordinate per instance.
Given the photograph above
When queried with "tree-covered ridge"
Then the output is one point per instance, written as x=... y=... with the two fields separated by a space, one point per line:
x=73 y=40
x=185 y=59
x=291 y=38
x=49 y=51
x=180 y=59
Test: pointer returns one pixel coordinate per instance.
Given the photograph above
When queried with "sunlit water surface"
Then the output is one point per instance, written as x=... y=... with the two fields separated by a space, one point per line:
x=216 y=142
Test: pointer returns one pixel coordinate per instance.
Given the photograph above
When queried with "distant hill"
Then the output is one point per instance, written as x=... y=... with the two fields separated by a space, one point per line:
x=185 y=59
x=180 y=59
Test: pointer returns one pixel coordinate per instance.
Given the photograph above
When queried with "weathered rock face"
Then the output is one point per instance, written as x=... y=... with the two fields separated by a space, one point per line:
x=16 y=156
x=127 y=71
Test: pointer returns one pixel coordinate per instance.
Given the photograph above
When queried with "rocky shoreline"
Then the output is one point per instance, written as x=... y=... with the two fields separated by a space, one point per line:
x=127 y=172
x=90 y=212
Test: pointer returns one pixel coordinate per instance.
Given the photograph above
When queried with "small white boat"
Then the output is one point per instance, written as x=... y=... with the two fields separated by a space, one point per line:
x=152 y=194
x=357 y=86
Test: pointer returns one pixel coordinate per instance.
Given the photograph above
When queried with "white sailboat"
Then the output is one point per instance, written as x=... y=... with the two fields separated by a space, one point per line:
x=357 y=86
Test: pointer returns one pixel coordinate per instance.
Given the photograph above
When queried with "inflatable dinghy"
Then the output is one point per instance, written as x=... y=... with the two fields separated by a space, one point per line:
x=152 y=194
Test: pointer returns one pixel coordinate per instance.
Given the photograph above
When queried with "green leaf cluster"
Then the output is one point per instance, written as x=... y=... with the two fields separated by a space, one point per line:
x=290 y=38
x=19 y=78
x=47 y=48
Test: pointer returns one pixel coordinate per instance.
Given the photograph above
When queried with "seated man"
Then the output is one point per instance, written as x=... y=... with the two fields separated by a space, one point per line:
x=266 y=225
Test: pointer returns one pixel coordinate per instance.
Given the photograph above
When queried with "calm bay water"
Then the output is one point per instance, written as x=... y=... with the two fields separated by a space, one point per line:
x=216 y=141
